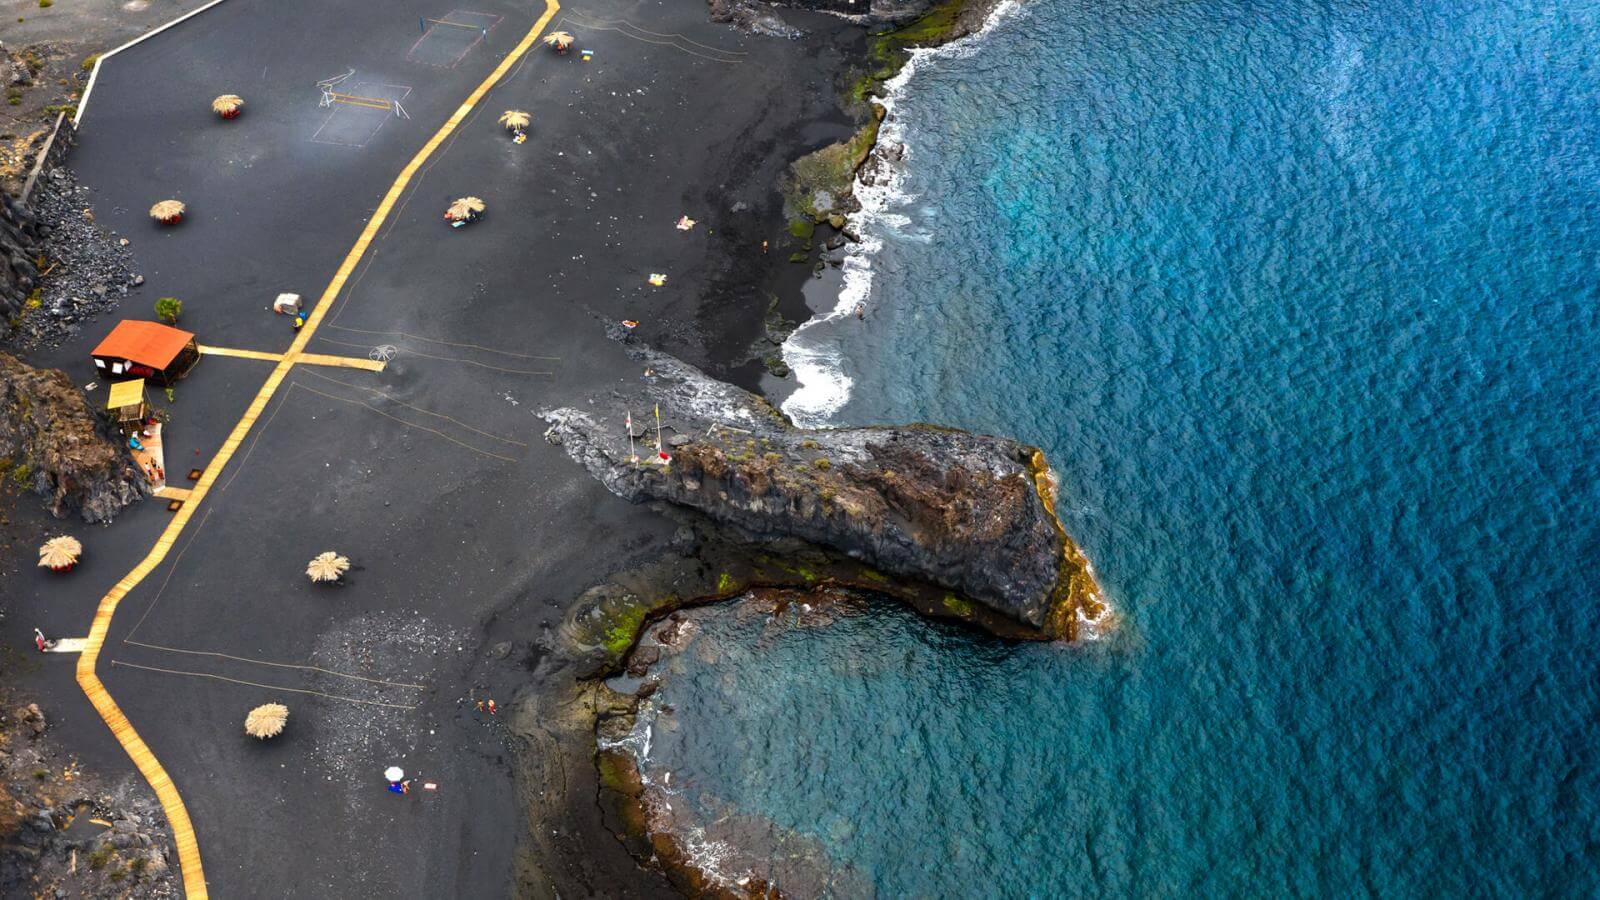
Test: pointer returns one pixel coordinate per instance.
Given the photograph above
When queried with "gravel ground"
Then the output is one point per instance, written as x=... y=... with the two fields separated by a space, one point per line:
x=90 y=270
x=360 y=740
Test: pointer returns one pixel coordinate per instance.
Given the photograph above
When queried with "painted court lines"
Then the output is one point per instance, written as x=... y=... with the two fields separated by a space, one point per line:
x=194 y=883
x=643 y=35
x=357 y=114
x=447 y=40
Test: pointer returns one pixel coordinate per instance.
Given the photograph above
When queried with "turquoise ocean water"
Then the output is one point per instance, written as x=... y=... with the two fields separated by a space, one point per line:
x=1301 y=299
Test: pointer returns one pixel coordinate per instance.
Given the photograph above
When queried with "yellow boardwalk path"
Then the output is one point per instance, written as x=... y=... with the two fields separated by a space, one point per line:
x=194 y=882
x=305 y=359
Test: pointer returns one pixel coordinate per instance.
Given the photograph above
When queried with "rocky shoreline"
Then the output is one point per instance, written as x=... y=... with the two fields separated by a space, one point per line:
x=956 y=525
x=819 y=189
x=972 y=514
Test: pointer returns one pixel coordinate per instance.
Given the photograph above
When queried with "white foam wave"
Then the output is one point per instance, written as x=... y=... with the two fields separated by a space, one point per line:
x=816 y=360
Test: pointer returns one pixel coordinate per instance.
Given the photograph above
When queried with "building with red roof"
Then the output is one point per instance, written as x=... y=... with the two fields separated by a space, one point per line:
x=136 y=349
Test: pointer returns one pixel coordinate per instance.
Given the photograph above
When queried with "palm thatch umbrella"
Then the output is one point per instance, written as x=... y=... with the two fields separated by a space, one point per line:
x=168 y=212
x=60 y=554
x=464 y=209
x=328 y=566
x=560 y=40
x=228 y=106
x=515 y=120
x=266 y=720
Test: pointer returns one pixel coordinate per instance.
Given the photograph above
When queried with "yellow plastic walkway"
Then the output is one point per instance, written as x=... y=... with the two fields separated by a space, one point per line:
x=307 y=359
x=194 y=882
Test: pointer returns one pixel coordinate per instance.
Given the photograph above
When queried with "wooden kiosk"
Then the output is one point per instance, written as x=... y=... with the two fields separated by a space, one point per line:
x=128 y=405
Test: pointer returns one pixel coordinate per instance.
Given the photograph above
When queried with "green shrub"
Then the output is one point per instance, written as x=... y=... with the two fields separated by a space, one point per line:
x=19 y=476
x=46 y=4
x=168 y=309
x=89 y=61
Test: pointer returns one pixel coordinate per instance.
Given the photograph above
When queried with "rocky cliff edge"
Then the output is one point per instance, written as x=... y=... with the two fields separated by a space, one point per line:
x=971 y=513
x=54 y=444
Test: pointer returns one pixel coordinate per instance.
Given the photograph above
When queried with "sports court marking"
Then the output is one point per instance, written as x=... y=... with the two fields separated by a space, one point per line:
x=272 y=687
x=358 y=113
x=380 y=394
x=183 y=836
x=470 y=362
x=434 y=431
x=644 y=35
x=430 y=340
x=447 y=40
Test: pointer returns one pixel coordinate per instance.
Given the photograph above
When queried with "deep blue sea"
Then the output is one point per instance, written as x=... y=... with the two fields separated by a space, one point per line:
x=1303 y=301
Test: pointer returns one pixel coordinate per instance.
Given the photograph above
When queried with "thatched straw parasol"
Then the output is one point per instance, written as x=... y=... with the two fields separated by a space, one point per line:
x=228 y=106
x=327 y=566
x=168 y=212
x=465 y=209
x=266 y=720
x=560 y=40
x=60 y=554
x=515 y=120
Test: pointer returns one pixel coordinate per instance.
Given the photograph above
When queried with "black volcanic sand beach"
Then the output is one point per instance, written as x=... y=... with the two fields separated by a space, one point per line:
x=471 y=534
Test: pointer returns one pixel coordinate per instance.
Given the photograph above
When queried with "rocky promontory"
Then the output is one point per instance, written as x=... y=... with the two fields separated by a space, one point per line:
x=970 y=513
x=52 y=443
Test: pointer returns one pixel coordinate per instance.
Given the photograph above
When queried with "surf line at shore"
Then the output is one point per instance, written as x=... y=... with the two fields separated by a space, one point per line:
x=813 y=351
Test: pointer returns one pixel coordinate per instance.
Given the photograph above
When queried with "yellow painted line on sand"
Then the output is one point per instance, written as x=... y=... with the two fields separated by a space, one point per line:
x=194 y=882
x=309 y=359
x=345 y=362
x=208 y=350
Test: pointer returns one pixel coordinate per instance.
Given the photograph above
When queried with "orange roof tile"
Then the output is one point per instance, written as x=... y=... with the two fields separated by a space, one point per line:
x=147 y=343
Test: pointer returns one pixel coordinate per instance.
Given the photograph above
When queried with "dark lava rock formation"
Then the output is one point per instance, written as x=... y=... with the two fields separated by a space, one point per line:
x=53 y=443
x=970 y=513
x=19 y=249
